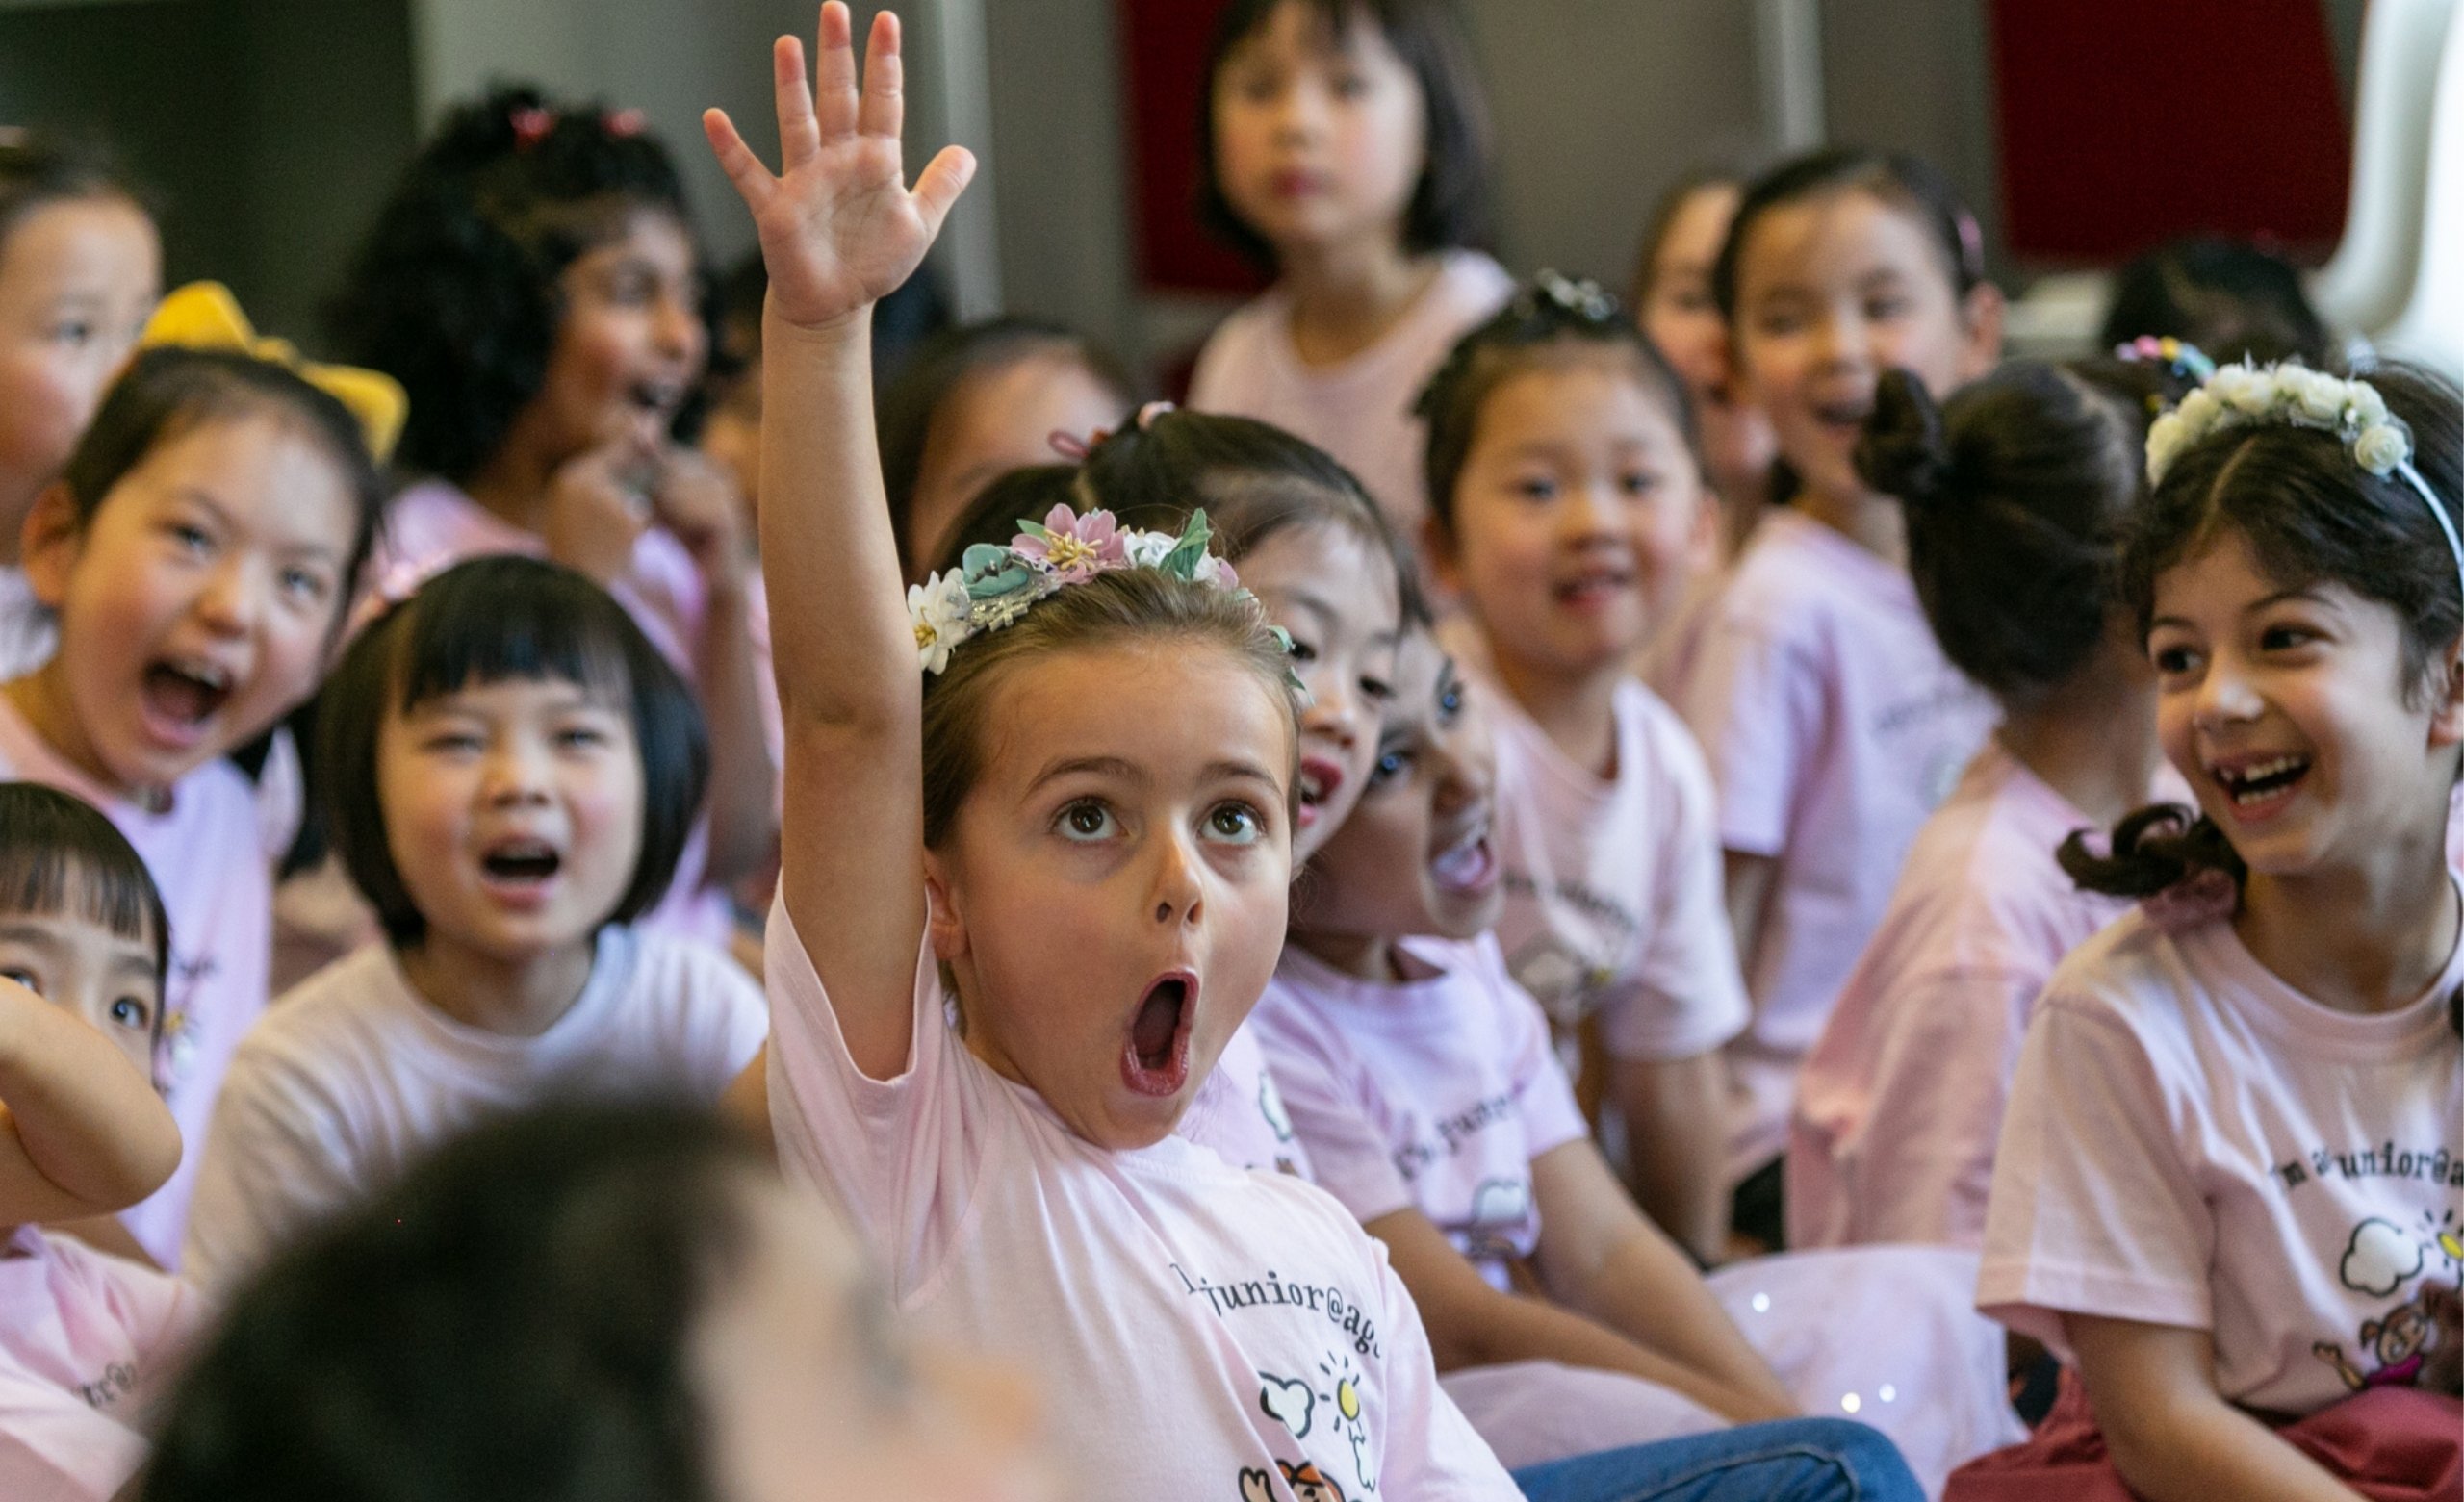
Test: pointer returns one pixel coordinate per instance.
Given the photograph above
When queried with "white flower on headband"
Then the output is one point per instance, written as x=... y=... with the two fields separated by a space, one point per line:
x=937 y=611
x=2248 y=395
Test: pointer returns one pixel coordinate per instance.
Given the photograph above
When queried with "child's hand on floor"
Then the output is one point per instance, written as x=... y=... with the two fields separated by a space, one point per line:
x=838 y=227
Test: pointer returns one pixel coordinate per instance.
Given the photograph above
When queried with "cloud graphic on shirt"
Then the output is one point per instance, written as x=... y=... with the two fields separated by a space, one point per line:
x=1499 y=1201
x=2380 y=1257
x=1288 y=1400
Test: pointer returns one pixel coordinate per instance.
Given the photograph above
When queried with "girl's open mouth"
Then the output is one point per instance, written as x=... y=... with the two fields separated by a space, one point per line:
x=520 y=870
x=1319 y=779
x=1156 y=1060
x=2261 y=787
x=1470 y=865
x=179 y=698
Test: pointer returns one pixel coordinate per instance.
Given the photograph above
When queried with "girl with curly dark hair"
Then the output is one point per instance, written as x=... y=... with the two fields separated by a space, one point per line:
x=535 y=286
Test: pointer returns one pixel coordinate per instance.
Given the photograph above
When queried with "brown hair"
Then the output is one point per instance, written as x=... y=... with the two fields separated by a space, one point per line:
x=1124 y=607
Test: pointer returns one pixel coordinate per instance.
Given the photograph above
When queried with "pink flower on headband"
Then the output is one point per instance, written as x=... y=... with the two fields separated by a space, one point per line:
x=1075 y=548
x=623 y=124
x=530 y=125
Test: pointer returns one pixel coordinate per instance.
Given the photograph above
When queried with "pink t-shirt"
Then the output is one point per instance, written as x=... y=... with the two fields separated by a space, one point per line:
x=1360 y=411
x=1901 y=1099
x=1432 y=1093
x=1614 y=897
x=87 y=1344
x=1239 y=1113
x=1205 y=1325
x=431 y=526
x=2193 y=1143
x=354 y=1076
x=1834 y=725
x=212 y=854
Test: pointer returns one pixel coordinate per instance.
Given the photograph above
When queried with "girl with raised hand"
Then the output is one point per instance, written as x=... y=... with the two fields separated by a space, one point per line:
x=2226 y=1182
x=2017 y=488
x=79 y=268
x=1831 y=721
x=510 y=770
x=199 y=552
x=534 y=285
x=1567 y=513
x=1101 y=887
x=85 y=1338
x=1343 y=146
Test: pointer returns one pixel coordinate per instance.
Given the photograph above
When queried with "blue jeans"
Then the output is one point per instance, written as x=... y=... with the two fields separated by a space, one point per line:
x=1794 y=1460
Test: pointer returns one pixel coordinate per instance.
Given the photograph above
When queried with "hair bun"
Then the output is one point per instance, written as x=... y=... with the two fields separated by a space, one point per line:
x=1903 y=451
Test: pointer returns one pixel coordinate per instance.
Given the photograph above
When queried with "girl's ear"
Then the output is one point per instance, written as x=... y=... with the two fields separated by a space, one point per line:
x=1980 y=314
x=50 y=543
x=2446 y=716
x=944 y=924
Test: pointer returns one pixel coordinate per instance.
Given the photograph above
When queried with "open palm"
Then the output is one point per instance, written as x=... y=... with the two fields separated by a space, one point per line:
x=839 y=228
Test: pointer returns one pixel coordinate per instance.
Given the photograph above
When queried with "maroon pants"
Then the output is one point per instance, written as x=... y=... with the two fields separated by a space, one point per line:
x=2391 y=1444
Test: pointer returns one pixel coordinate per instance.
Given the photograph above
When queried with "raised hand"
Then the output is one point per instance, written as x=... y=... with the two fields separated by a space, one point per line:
x=839 y=228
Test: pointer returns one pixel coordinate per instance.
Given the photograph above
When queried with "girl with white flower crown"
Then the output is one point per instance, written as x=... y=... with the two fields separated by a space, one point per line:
x=2229 y=1184
x=1101 y=774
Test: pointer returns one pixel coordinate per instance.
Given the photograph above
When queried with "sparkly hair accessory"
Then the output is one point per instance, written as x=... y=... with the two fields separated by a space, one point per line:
x=994 y=586
x=1579 y=295
x=2293 y=395
x=2187 y=361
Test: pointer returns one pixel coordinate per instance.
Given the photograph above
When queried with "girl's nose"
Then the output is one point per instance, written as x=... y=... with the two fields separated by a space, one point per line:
x=1177 y=891
x=1334 y=711
x=231 y=599
x=2227 y=695
x=517 y=774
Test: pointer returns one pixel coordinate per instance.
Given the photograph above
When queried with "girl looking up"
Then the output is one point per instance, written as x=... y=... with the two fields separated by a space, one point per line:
x=85 y=1338
x=510 y=770
x=1101 y=888
x=978 y=401
x=198 y=554
x=534 y=285
x=2226 y=1182
x=1344 y=147
x=79 y=268
x=1831 y=721
x=1567 y=513
x=2017 y=491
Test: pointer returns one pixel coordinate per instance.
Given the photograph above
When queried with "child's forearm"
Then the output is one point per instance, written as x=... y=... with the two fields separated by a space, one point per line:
x=1675 y=1114
x=744 y=782
x=2172 y=1437
x=85 y=1134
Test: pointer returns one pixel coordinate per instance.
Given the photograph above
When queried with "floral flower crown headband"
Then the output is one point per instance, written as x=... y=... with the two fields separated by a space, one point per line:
x=2293 y=395
x=993 y=586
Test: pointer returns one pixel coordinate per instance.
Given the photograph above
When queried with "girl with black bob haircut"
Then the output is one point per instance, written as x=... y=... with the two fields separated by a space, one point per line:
x=511 y=771
x=485 y=622
x=584 y=1304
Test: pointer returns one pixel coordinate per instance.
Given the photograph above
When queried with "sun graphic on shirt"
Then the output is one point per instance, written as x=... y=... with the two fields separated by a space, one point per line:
x=1346 y=1393
x=2443 y=1233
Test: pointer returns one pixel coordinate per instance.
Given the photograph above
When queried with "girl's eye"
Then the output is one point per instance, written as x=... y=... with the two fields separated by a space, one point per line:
x=2285 y=638
x=1235 y=823
x=130 y=1012
x=74 y=333
x=581 y=737
x=1348 y=84
x=2172 y=661
x=192 y=539
x=1393 y=761
x=452 y=743
x=1450 y=702
x=1641 y=482
x=1303 y=651
x=1088 y=820
x=1536 y=487
x=303 y=584
x=24 y=977
x=1884 y=308
x=1377 y=689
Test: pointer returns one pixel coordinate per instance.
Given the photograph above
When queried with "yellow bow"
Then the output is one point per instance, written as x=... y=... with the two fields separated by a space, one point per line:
x=205 y=316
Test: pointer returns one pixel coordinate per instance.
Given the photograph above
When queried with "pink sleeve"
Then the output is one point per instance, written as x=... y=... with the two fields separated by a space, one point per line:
x=1756 y=702
x=1546 y=1098
x=901 y=1155
x=1326 y=1093
x=2092 y=1211
x=1685 y=996
x=53 y=1448
x=1941 y=1083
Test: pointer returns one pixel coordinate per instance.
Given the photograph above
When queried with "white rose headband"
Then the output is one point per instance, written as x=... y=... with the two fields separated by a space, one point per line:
x=2293 y=395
